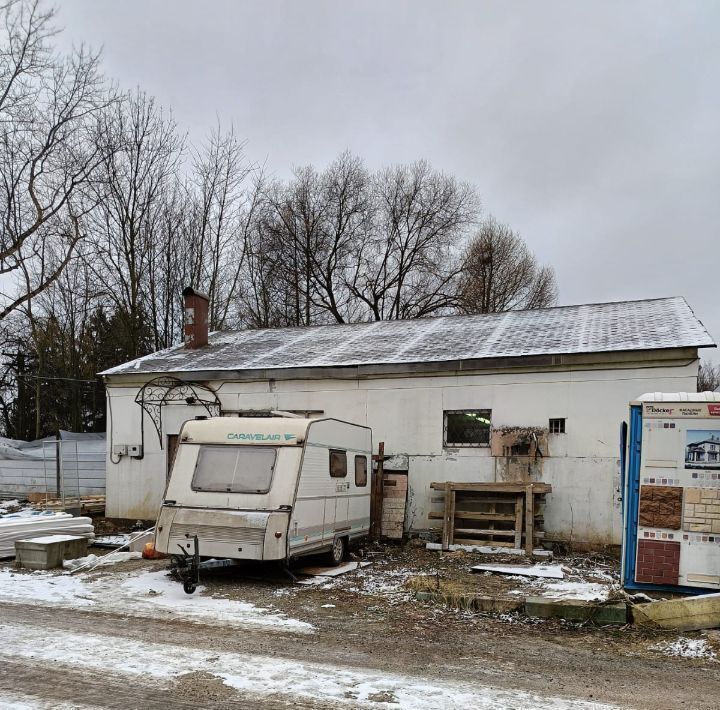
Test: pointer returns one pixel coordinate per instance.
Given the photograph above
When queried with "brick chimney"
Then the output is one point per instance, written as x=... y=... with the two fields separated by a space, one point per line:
x=196 y=318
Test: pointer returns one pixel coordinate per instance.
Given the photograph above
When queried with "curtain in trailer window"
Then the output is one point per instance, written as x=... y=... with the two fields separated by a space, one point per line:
x=234 y=469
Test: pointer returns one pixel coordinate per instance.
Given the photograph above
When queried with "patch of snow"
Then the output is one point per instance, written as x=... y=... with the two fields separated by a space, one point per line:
x=685 y=648
x=327 y=606
x=30 y=702
x=584 y=591
x=112 y=540
x=547 y=571
x=262 y=676
x=43 y=588
x=49 y=539
x=7 y=505
x=156 y=589
x=92 y=561
x=143 y=594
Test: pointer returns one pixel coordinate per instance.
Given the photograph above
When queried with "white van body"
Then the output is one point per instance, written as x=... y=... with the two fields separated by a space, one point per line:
x=266 y=488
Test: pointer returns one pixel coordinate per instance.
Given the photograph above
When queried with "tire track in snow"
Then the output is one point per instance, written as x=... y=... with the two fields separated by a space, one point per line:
x=263 y=676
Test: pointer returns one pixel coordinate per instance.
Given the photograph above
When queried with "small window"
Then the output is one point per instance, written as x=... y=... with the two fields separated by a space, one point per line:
x=361 y=471
x=467 y=427
x=234 y=469
x=338 y=463
x=557 y=426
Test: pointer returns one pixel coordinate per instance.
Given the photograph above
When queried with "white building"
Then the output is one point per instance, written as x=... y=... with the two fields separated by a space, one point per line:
x=460 y=398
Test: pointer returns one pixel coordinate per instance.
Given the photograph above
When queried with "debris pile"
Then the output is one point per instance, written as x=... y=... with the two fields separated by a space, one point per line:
x=21 y=526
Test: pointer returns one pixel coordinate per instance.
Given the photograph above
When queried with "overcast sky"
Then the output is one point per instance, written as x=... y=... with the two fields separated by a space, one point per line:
x=591 y=128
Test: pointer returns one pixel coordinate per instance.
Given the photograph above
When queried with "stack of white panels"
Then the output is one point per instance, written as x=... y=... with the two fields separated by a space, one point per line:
x=22 y=527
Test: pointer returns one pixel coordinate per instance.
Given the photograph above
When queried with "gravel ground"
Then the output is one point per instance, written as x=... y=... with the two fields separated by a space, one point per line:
x=365 y=623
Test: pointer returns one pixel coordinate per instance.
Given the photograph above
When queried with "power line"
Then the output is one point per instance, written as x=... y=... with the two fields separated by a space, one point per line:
x=67 y=379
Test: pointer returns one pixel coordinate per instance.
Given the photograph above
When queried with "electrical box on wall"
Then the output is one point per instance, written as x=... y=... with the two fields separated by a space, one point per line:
x=120 y=449
x=135 y=450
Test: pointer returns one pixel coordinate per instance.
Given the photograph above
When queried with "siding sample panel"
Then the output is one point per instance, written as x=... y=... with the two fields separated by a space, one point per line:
x=661 y=507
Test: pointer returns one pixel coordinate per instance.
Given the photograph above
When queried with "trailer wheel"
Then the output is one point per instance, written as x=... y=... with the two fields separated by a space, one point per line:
x=337 y=553
x=189 y=586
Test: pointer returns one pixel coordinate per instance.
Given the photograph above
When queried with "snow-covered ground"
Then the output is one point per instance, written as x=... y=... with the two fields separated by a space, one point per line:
x=265 y=676
x=138 y=594
x=686 y=648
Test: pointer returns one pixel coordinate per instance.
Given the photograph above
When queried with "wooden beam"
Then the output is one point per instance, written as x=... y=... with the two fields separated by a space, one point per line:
x=446 y=519
x=478 y=531
x=376 y=498
x=529 y=518
x=472 y=515
x=491 y=487
x=518 y=520
x=483 y=543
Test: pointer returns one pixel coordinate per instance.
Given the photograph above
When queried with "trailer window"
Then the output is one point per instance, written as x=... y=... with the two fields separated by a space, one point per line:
x=338 y=463
x=361 y=471
x=234 y=469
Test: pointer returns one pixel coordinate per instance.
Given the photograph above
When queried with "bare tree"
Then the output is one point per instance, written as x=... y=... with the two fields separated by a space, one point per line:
x=141 y=150
x=217 y=255
x=708 y=377
x=406 y=264
x=500 y=273
x=48 y=104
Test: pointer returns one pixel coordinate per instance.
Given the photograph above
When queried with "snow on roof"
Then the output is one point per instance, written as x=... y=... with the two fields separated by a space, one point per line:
x=678 y=397
x=601 y=327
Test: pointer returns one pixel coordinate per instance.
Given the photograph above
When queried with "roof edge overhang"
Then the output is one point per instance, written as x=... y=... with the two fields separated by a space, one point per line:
x=625 y=359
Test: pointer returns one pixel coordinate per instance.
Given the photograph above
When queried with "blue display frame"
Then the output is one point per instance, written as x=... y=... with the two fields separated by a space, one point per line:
x=630 y=485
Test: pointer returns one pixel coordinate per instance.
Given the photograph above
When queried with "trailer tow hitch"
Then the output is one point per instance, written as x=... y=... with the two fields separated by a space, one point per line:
x=186 y=568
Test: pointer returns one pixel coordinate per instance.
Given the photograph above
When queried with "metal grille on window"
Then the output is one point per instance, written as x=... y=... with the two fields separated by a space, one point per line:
x=557 y=426
x=467 y=427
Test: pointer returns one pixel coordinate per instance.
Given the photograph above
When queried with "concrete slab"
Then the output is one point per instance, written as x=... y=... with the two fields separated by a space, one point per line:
x=576 y=610
x=689 y=614
x=492 y=605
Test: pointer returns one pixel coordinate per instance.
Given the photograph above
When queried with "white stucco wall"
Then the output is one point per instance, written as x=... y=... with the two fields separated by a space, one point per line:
x=407 y=414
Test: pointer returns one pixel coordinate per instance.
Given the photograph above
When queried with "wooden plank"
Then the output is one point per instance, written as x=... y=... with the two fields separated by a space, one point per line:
x=519 y=501
x=495 y=543
x=472 y=515
x=492 y=487
x=376 y=497
x=452 y=517
x=478 y=531
x=529 y=518
x=446 y=520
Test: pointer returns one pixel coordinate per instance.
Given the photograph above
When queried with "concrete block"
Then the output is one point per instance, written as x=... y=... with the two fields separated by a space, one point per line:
x=690 y=614
x=576 y=610
x=49 y=552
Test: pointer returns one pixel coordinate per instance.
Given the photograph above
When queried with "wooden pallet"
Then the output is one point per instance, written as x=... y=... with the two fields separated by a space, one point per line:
x=95 y=504
x=480 y=513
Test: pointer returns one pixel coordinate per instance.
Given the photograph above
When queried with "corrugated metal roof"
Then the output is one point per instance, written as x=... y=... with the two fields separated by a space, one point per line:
x=600 y=327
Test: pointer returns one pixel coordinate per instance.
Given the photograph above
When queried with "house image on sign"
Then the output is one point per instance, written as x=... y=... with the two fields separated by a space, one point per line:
x=528 y=396
x=703 y=449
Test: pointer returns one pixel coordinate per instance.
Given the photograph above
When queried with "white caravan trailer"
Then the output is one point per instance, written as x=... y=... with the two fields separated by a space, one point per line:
x=266 y=488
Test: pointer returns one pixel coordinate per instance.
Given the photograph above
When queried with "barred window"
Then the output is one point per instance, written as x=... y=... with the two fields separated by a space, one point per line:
x=557 y=426
x=467 y=427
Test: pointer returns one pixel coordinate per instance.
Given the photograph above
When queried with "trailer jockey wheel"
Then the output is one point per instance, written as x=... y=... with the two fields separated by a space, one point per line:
x=189 y=586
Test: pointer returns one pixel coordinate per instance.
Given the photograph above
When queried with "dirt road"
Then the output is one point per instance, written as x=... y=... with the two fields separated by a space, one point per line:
x=379 y=651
